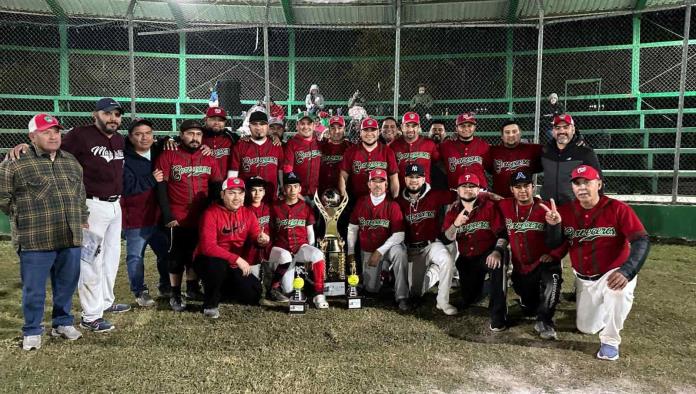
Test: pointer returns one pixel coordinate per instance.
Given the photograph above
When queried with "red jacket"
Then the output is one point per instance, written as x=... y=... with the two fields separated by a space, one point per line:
x=227 y=234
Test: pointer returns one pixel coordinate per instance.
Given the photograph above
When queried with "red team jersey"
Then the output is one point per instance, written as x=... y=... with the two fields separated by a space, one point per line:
x=376 y=223
x=526 y=229
x=303 y=157
x=251 y=159
x=221 y=146
x=187 y=175
x=461 y=157
x=226 y=234
x=263 y=215
x=289 y=224
x=479 y=234
x=598 y=238
x=358 y=163
x=421 y=217
x=422 y=151
x=331 y=157
x=502 y=162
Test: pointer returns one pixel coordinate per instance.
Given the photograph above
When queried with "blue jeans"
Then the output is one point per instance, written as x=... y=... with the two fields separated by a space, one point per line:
x=136 y=241
x=63 y=265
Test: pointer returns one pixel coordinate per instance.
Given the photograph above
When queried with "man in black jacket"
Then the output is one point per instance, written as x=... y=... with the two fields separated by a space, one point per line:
x=560 y=156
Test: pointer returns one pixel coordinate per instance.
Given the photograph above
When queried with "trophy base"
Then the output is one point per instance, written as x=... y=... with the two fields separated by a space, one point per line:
x=354 y=302
x=335 y=289
x=297 y=307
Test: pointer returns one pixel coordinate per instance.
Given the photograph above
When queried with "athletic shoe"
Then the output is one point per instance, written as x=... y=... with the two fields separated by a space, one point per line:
x=404 y=305
x=447 y=309
x=546 y=331
x=31 y=342
x=608 y=352
x=177 y=304
x=212 y=313
x=117 y=308
x=431 y=278
x=498 y=327
x=98 y=325
x=144 y=299
x=165 y=291
x=320 y=301
x=68 y=332
x=194 y=294
x=277 y=295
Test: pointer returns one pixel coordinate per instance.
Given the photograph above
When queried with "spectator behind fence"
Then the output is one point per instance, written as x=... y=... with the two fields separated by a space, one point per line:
x=314 y=100
x=43 y=194
x=422 y=101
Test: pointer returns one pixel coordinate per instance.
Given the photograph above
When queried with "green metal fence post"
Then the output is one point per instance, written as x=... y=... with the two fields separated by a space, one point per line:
x=182 y=76
x=291 y=70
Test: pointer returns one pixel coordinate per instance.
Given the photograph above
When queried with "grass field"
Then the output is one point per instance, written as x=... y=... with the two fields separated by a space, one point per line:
x=377 y=349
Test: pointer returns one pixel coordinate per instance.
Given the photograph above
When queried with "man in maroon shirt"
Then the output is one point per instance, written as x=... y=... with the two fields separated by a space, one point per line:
x=226 y=231
x=536 y=268
x=293 y=236
x=465 y=153
x=390 y=131
x=368 y=155
x=216 y=137
x=608 y=245
x=414 y=149
x=474 y=222
x=183 y=197
x=258 y=156
x=303 y=157
x=378 y=223
x=256 y=191
x=510 y=157
x=332 y=150
x=421 y=205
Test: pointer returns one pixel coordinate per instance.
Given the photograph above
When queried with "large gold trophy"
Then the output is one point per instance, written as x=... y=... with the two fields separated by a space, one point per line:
x=331 y=205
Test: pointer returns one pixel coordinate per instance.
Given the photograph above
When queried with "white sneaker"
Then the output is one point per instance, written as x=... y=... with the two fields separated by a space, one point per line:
x=447 y=309
x=320 y=301
x=212 y=313
x=68 y=332
x=432 y=276
x=31 y=342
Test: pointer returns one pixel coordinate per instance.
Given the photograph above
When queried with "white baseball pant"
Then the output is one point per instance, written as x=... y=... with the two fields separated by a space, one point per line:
x=279 y=256
x=397 y=259
x=439 y=263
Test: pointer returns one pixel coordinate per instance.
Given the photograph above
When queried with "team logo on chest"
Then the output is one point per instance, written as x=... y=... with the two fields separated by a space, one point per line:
x=417 y=217
x=290 y=223
x=331 y=159
x=369 y=224
x=301 y=156
x=264 y=220
x=522 y=227
x=247 y=162
x=220 y=152
x=466 y=161
x=410 y=156
x=473 y=227
x=178 y=171
x=501 y=165
x=589 y=234
x=368 y=166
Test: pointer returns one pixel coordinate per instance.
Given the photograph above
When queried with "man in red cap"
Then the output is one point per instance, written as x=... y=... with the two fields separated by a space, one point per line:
x=303 y=157
x=368 y=155
x=560 y=156
x=332 y=151
x=379 y=224
x=412 y=149
x=217 y=138
x=227 y=231
x=258 y=156
x=474 y=222
x=608 y=245
x=465 y=153
x=183 y=197
x=43 y=194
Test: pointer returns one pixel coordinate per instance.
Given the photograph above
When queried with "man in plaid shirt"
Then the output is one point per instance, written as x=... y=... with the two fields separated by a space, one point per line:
x=43 y=194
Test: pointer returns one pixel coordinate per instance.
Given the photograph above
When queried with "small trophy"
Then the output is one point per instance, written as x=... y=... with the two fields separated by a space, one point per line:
x=298 y=302
x=330 y=205
x=354 y=300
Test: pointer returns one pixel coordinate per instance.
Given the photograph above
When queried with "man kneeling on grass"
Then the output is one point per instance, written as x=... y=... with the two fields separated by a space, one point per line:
x=607 y=245
x=43 y=194
x=227 y=232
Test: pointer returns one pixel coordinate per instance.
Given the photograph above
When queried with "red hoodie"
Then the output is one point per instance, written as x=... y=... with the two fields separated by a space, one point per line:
x=227 y=234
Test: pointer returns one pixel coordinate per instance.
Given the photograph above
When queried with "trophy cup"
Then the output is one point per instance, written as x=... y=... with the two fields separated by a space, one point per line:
x=330 y=205
x=354 y=300
x=298 y=302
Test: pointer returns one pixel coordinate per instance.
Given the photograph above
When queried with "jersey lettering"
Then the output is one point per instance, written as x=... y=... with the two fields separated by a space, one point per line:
x=179 y=170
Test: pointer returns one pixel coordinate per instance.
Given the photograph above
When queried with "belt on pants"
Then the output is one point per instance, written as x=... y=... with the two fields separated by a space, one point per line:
x=113 y=198
x=592 y=278
x=418 y=245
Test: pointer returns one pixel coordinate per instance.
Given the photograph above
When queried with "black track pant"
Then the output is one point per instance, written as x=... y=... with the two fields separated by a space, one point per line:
x=540 y=290
x=472 y=274
x=222 y=282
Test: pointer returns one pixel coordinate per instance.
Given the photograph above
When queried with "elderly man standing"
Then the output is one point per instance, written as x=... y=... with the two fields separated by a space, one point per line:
x=43 y=194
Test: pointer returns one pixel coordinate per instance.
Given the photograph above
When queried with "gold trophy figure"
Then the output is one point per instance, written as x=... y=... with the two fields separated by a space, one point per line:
x=331 y=205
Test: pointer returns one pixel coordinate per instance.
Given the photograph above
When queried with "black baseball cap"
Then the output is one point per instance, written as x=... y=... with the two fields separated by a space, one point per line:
x=108 y=104
x=189 y=124
x=139 y=122
x=520 y=177
x=255 y=181
x=415 y=169
x=290 y=178
x=258 y=116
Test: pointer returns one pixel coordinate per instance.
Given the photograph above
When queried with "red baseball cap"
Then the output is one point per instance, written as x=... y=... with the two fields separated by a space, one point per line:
x=369 y=123
x=468 y=178
x=466 y=117
x=410 y=117
x=337 y=119
x=233 y=183
x=43 y=122
x=563 y=118
x=378 y=174
x=585 y=171
x=216 y=112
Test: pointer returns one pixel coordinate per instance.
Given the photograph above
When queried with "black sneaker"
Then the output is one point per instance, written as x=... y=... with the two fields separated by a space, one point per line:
x=177 y=304
x=165 y=291
x=194 y=294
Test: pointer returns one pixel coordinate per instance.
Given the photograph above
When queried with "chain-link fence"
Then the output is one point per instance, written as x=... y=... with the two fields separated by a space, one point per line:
x=619 y=76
